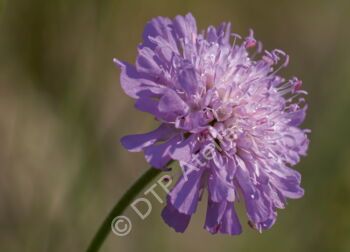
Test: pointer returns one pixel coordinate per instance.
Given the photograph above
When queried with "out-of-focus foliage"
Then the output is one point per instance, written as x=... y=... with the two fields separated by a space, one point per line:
x=62 y=113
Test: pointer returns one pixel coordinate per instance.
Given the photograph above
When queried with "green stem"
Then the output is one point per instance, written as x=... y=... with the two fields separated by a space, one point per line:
x=119 y=208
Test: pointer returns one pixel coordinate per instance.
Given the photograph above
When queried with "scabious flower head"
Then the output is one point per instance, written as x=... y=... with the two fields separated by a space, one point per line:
x=215 y=89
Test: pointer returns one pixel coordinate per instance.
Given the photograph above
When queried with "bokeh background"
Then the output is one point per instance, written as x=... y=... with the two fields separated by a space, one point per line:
x=62 y=112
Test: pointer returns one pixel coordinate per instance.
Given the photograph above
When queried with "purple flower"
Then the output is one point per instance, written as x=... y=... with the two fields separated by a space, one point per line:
x=216 y=89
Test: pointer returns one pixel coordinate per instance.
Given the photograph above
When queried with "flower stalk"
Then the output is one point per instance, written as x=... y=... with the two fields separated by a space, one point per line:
x=119 y=208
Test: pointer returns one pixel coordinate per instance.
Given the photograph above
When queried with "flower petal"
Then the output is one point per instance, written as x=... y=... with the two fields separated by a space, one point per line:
x=138 y=142
x=133 y=82
x=259 y=207
x=185 y=27
x=222 y=218
x=287 y=181
x=230 y=223
x=215 y=212
x=220 y=182
x=178 y=221
x=158 y=27
x=186 y=193
x=184 y=150
x=170 y=102
x=159 y=155
x=189 y=81
x=146 y=62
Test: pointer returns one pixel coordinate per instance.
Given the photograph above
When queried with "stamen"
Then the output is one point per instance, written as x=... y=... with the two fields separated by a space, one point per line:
x=277 y=53
x=269 y=58
x=250 y=41
x=258 y=50
x=235 y=37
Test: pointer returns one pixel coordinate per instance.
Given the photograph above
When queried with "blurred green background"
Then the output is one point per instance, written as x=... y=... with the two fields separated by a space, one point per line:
x=62 y=112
